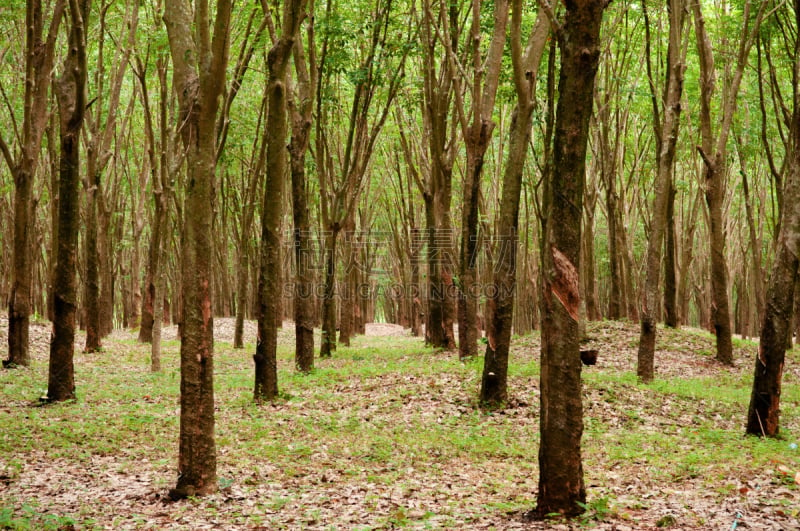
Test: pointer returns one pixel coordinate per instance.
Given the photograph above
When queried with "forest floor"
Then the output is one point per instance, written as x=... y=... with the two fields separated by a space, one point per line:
x=387 y=434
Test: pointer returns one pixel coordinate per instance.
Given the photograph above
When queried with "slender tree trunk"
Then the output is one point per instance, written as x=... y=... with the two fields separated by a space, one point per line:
x=615 y=303
x=589 y=276
x=347 y=302
x=303 y=252
x=242 y=281
x=755 y=243
x=39 y=59
x=105 y=272
x=91 y=294
x=328 y=345
x=301 y=108
x=71 y=94
x=19 y=301
x=467 y=297
x=199 y=64
x=714 y=154
x=561 y=484
x=494 y=380
x=720 y=309
x=763 y=417
x=158 y=310
x=270 y=285
x=667 y=133
x=159 y=178
x=439 y=327
x=417 y=313
x=671 y=315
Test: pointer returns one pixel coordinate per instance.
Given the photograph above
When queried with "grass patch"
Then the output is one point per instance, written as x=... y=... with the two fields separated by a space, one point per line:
x=386 y=433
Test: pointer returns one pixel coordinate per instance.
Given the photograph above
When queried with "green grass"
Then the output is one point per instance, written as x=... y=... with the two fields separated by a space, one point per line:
x=388 y=416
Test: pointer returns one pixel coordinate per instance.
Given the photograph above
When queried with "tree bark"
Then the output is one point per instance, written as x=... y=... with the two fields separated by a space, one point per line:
x=347 y=300
x=301 y=109
x=159 y=169
x=440 y=87
x=714 y=154
x=328 y=345
x=199 y=65
x=671 y=314
x=494 y=380
x=91 y=293
x=485 y=78
x=270 y=273
x=71 y=94
x=39 y=59
x=561 y=484
x=667 y=134
x=304 y=285
x=763 y=416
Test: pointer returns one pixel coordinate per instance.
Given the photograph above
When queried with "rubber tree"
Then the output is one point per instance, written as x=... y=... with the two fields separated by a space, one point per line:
x=199 y=59
x=441 y=29
x=70 y=91
x=301 y=107
x=101 y=121
x=494 y=381
x=713 y=150
x=39 y=60
x=763 y=416
x=485 y=77
x=666 y=133
x=561 y=484
x=270 y=274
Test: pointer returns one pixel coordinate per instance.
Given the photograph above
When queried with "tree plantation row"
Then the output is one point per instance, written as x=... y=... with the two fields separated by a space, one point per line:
x=470 y=166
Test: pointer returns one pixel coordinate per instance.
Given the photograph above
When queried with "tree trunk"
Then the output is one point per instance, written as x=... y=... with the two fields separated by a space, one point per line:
x=615 y=302
x=589 y=275
x=159 y=180
x=495 y=366
x=561 y=485
x=477 y=143
x=39 y=59
x=71 y=94
x=105 y=271
x=303 y=252
x=242 y=281
x=720 y=310
x=199 y=65
x=347 y=301
x=270 y=285
x=91 y=294
x=671 y=315
x=158 y=309
x=713 y=152
x=417 y=312
x=328 y=345
x=763 y=416
x=19 y=301
x=667 y=134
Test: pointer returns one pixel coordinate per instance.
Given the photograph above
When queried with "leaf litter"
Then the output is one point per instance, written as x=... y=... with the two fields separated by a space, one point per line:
x=388 y=434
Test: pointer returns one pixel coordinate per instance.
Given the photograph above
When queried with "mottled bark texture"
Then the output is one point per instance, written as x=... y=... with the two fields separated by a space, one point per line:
x=39 y=59
x=561 y=484
x=494 y=381
x=763 y=417
x=71 y=96
x=303 y=249
x=199 y=64
x=667 y=138
x=714 y=153
x=270 y=271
